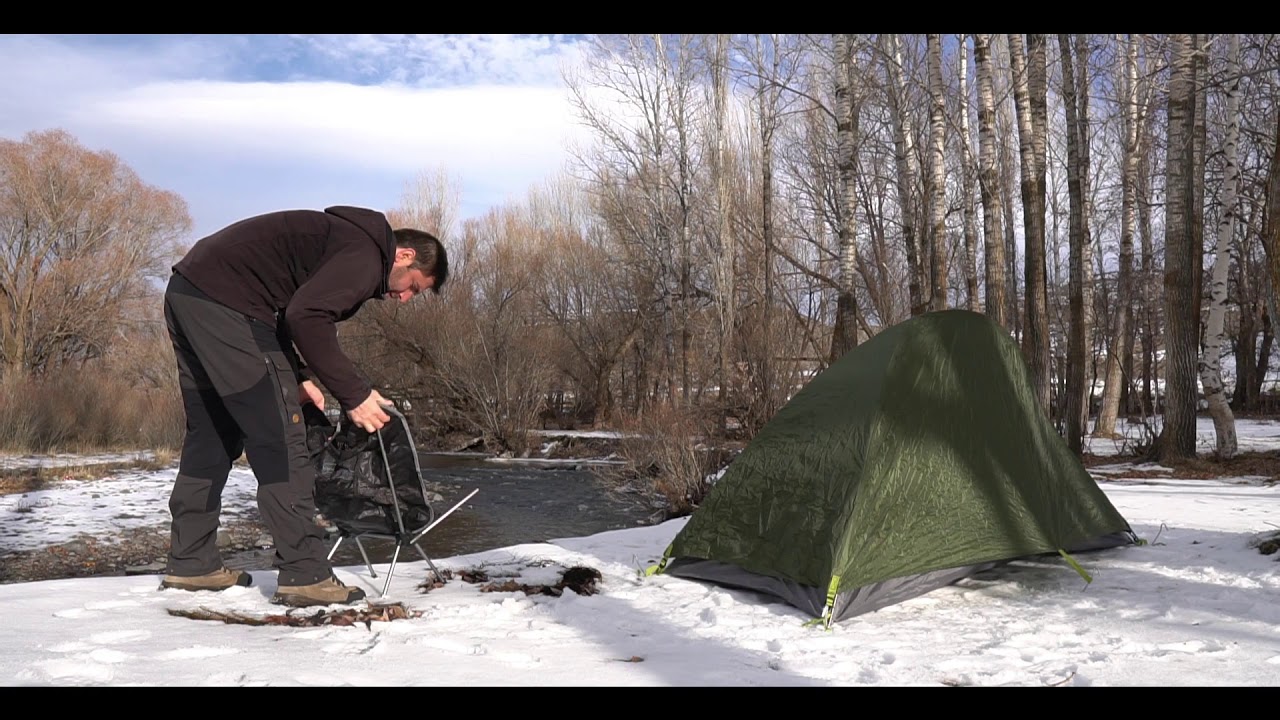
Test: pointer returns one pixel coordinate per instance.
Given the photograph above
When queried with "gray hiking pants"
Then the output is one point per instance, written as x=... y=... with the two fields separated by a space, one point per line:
x=240 y=392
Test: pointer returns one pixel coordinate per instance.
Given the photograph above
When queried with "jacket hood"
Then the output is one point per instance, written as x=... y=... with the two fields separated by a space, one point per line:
x=374 y=224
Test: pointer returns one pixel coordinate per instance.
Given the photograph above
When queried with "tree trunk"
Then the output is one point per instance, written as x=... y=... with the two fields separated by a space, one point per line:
x=845 y=335
x=1178 y=436
x=1029 y=97
x=1118 y=343
x=767 y=119
x=1271 y=223
x=1083 y=85
x=938 y=245
x=967 y=171
x=1149 y=288
x=997 y=303
x=725 y=270
x=907 y=173
x=1224 y=424
x=1077 y=326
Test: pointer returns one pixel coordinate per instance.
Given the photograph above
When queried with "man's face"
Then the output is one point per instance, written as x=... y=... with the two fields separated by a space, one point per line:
x=405 y=283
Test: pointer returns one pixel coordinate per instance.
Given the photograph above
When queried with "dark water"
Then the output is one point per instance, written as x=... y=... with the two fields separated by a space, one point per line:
x=515 y=503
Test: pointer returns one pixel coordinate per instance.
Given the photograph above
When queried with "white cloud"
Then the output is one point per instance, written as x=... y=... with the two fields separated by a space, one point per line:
x=391 y=128
x=194 y=110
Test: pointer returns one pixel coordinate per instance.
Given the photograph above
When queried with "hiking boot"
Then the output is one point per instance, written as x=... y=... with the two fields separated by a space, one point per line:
x=329 y=591
x=218 y=580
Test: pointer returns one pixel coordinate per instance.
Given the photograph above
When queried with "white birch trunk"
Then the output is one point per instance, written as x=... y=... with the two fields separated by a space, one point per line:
x=845 y=336
x=1118 y=344
x=1028 y=77
x=1211 y=360
x=995 y=272
x=907 y=174
x=967 y=170
x=938 y=245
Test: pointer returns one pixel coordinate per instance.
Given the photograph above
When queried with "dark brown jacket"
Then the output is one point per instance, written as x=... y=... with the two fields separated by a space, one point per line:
x=305 y=269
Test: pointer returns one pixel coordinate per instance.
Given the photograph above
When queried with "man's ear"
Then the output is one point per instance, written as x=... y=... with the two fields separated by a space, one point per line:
x=404 y=253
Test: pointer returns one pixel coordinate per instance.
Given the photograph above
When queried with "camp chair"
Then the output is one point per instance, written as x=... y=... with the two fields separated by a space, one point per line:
x=370 y=485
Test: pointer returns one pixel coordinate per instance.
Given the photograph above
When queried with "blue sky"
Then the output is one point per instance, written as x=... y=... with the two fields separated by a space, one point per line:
x=242 y=124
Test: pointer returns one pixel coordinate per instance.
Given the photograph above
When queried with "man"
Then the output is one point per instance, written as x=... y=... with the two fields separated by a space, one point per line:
x=237 y=306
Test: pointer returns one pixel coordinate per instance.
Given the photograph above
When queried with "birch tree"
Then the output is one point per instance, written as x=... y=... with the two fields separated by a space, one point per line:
x=966 y=183
x=938 y=250
x=1224 y=424
x=993 y=261
x=1028 y=65
x=845 y=334
x=1078 y=326
x=1119 y=343
x=907 y=170
x=1075 y=331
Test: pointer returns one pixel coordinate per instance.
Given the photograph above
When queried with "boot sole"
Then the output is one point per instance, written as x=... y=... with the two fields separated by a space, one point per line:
x=304 y=601
x=170 y=585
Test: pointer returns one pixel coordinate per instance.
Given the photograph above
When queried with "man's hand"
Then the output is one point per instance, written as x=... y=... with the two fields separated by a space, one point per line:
x=369 y=414
x=309 y=393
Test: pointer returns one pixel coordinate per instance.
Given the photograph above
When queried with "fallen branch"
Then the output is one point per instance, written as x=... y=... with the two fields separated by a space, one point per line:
x=339 y=618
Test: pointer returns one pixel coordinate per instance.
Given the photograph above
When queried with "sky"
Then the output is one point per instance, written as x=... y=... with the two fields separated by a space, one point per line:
x=243 y=124
x=1194 y=607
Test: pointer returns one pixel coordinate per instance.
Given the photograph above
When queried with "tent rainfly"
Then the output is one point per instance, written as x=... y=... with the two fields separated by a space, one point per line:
x=917 y=459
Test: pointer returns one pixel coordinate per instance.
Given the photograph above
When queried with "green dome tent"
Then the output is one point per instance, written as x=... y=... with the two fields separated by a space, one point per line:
x=917 y=459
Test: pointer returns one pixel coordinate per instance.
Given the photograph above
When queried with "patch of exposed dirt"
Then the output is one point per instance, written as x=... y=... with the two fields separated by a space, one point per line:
x=136 y=551
x=1253 y=464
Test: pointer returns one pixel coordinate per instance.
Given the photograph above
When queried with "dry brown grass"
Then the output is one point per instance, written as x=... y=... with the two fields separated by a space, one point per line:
x=88 y=411
x=664 y=446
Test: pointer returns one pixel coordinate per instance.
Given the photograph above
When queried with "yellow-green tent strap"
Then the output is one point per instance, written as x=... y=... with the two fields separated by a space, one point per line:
x=832 y=589
x=661 y=564
x=1072 y=562
x=828 y=606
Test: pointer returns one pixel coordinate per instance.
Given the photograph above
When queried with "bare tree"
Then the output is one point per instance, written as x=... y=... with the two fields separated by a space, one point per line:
x=967 y=171
x=635 y=97
x=1271 y=226
x=430 y=202
x=725 y=272
x=938 y=250
x=1182 y=318
x=1077 y=181
x=1211 y=361
x=82 y=237
x=1028 y=66
x=997 y=304
x=845 y=335
x=903 y=140
x=1119 y=344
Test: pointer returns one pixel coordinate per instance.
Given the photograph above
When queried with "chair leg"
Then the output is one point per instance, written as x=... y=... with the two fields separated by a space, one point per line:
x=365 y=555
x=391 y=570
x=334 y=549
x=435 y=571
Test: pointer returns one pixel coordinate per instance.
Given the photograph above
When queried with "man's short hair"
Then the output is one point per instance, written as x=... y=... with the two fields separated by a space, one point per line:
x=431 y=257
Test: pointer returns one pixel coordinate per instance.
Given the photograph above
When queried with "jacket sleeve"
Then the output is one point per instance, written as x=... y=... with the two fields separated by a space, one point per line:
x=340 y=286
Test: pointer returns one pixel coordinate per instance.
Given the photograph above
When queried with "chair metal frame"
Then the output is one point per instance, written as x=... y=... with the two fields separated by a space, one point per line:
x=403 y=537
